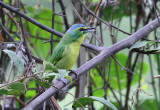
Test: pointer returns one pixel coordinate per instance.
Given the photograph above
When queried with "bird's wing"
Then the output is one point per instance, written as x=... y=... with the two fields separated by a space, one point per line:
x=57 y=54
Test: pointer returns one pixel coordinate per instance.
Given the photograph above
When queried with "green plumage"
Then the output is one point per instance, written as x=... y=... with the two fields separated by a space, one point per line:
x=66 y=52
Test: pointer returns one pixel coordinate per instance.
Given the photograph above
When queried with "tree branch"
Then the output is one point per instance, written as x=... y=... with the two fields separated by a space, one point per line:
x=17 y=11
x=106 y=52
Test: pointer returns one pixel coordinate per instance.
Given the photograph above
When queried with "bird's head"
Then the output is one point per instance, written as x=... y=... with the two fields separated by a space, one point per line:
x=78 y=30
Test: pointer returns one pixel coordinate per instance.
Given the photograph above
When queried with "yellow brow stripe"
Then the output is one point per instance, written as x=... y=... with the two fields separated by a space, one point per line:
x=79 y=28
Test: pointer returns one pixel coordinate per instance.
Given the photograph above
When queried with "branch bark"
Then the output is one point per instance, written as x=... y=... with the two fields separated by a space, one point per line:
x=106 y=52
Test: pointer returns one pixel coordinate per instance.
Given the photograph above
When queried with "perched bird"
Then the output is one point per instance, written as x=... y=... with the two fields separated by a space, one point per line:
x=66 y=52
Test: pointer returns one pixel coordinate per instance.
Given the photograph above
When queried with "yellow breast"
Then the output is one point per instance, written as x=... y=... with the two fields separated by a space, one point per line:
x=71 y=53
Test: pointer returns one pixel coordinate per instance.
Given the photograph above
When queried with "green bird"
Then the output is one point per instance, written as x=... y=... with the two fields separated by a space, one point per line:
x=66 y=52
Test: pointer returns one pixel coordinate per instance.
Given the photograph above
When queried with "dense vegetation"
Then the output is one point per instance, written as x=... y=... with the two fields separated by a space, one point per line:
x=120 y=59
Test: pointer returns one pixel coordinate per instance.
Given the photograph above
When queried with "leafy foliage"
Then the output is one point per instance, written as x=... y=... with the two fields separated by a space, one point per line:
x=17 y=61
x=86 y=100
x=14 y=89
x=139 y=44
x=42 y=15
x=122 y=58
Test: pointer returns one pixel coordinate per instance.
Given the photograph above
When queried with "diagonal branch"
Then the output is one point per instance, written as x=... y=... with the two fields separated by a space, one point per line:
x=17 y=11
x=106 y=52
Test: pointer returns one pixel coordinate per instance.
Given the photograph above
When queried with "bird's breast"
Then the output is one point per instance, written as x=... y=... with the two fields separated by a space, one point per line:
x=70 y=54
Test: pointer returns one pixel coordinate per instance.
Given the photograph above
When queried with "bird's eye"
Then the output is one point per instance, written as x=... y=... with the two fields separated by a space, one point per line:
x=82 y=28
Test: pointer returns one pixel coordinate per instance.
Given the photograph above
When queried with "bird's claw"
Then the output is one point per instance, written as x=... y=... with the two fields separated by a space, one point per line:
x=73 y=71
x=62 y=79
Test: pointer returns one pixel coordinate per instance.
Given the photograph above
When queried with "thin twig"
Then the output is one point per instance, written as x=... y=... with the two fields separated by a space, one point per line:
x=64 y=14
x=38 y=23
x=20 y=79
x=127 y=69
x=4 y=30
x=23 y=36
x=136 y=91
x=84 y=22
x=11 y=17
x=108 y=24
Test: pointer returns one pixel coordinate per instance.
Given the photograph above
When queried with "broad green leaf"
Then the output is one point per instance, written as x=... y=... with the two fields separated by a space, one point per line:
x=105 y=102
x=158 y=34
x=10 y=92
x=139 y=44
x=81 y=102
x=17 y=86
x=86 y=100
x=17 y=61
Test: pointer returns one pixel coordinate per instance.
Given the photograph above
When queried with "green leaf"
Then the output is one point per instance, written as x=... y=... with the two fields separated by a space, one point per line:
x=83 y=101
x=139 y=44
x=3 y=91
x=17 y=86
x=14 y=92
x=70 y=79
x=86 y=100
x=49 y=66
x=14 y=89
x=45 y=75
x=44 y=84
x=148 y=104
x=17 y=61
x=158 y=34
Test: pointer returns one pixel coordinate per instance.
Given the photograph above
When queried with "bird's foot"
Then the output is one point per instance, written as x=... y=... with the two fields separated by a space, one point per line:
x=73 y=71
x=62 y=79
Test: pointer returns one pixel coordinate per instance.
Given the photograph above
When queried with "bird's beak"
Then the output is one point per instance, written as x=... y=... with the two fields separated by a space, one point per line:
x=89 y=29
